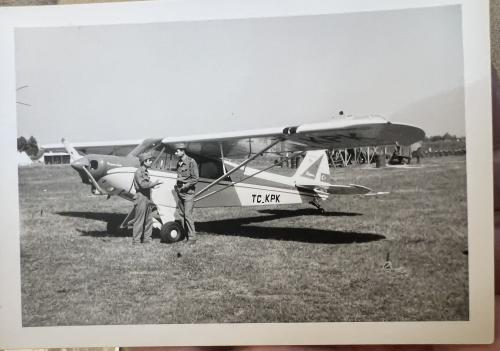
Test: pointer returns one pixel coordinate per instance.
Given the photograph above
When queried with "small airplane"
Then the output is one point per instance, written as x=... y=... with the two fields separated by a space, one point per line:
x=221 y=155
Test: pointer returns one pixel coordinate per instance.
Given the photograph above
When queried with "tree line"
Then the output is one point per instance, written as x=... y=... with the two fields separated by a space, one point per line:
x=445 y=136
x=29 y=146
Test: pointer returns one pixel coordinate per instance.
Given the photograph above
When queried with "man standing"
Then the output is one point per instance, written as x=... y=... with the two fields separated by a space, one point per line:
x=143 y=222
x=187 y=177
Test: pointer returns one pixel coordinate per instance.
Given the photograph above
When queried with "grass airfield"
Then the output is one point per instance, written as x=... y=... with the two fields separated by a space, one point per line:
x=259 y=264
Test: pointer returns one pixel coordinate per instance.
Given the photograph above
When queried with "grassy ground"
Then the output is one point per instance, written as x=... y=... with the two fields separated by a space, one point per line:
x=286 y=264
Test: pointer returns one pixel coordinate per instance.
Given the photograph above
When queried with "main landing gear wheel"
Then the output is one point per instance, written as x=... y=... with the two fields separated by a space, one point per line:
x=171 y=232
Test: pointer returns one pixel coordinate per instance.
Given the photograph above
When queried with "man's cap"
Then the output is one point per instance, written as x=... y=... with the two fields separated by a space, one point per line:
x=180 y=146
x=143 y=157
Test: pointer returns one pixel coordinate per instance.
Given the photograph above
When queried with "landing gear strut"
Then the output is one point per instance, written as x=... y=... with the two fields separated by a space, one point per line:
x=316 y=204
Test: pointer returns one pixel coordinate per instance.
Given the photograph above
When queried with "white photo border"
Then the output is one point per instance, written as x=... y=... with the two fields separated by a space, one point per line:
x=477 y=75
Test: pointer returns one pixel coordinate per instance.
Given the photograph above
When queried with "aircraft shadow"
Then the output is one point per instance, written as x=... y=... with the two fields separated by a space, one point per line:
x=105 y=234
x=242 y=227
x=280 y=213
x=99 y=216
x=237 y=227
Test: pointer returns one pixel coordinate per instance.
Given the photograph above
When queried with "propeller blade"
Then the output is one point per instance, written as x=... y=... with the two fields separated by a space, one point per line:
x=93 y=181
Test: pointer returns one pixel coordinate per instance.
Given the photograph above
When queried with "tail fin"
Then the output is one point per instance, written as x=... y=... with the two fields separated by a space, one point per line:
x=313 y=174
x=73 y=154
x=313 y=169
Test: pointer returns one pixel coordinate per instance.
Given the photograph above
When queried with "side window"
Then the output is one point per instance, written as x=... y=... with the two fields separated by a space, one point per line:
x=211 y=170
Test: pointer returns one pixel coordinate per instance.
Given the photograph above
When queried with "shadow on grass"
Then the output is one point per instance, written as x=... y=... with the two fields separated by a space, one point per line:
x=234 y=227
x=97 y=216
x=124 y=233
x=280 y=213
x=107 y=217
x=241 y=227
x=104 y=233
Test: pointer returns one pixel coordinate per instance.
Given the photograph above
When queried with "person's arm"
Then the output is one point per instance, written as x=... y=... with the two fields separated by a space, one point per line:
x=143 y=182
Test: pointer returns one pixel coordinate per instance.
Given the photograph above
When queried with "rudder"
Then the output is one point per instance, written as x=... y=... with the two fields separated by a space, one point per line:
x=313 y=169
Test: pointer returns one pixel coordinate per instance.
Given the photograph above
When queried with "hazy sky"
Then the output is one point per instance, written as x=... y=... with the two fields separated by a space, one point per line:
x=96 y=83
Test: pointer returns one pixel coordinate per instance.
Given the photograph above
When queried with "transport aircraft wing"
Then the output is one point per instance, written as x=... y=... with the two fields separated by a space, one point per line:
x=338 y=133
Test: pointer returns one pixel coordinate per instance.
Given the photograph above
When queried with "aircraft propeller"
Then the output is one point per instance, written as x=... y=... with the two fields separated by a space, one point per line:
x=82 y=165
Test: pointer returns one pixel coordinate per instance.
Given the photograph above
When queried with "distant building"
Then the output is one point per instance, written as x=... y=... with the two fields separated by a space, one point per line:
x=56 y=158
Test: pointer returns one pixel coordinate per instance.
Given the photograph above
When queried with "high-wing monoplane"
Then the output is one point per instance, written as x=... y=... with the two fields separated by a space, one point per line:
x=221 y=155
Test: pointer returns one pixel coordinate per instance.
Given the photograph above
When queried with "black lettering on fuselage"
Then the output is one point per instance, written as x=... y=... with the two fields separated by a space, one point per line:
x=266 y=198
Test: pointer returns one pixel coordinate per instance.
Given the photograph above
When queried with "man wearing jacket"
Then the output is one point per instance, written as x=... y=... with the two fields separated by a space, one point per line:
x=187 y=177
x=143 y=222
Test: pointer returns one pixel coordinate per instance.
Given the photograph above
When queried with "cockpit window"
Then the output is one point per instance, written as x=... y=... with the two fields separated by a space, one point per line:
x=94 y=164
x=146 y=145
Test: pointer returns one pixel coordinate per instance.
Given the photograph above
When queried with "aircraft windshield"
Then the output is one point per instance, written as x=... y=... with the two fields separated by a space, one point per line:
x=146 y=145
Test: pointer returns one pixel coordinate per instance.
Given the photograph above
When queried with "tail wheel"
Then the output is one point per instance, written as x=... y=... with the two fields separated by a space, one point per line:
x=171 y=232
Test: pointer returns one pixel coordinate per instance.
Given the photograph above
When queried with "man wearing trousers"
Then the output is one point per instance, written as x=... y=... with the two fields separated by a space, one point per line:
x=187 y=177
x=143 y=221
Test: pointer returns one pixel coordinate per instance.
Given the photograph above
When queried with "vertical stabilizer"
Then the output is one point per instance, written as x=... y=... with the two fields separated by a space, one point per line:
x=73 y=154
x=313 y=169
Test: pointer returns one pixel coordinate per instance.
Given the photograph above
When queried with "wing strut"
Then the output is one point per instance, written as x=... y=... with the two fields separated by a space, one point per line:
x=215 y=182
x=222 y=158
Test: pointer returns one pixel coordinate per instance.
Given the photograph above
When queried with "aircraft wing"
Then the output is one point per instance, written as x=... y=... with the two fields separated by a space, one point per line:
x=118 y=148
x=337 y=133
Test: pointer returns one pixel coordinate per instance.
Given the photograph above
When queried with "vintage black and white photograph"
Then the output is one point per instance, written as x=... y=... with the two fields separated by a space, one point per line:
x=282 y=169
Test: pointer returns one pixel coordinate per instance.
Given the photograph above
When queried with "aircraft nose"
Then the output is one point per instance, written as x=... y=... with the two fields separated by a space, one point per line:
x=80 y=163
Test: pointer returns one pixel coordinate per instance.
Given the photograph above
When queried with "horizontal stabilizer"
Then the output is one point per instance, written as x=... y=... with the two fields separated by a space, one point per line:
x=351 y=189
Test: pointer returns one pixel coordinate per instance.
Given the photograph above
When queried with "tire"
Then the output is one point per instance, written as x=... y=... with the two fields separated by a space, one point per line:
x=171 y=232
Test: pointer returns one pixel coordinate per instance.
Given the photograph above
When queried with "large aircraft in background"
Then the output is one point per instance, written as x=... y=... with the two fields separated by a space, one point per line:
x=221 y=155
